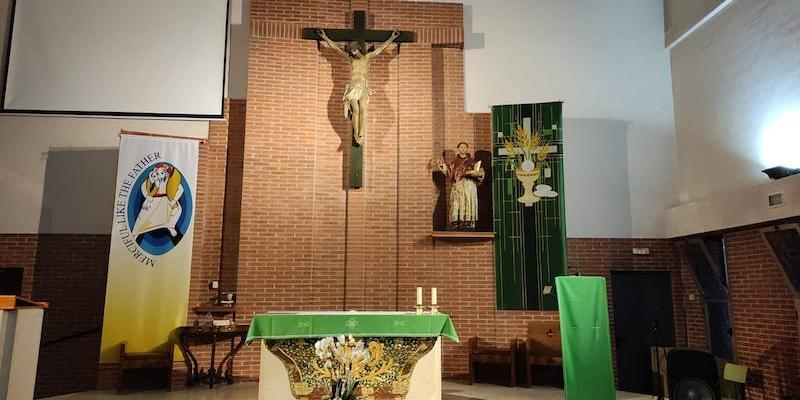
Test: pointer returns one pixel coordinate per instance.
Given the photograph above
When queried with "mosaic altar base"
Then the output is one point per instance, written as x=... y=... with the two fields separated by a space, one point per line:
x=409 y=368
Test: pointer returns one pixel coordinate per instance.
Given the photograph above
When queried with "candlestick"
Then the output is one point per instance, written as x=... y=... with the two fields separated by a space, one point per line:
x=434 y=297
x=419 y=295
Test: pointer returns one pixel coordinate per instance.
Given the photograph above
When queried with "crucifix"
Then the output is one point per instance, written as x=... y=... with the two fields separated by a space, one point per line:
x=357 y=92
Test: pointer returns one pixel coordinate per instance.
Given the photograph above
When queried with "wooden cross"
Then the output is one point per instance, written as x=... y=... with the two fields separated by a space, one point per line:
x=361 y=35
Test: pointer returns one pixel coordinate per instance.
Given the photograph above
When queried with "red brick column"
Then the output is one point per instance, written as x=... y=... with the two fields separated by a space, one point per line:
x=232 y=212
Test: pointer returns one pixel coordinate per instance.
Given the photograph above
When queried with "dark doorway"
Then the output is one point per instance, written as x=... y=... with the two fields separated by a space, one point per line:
x=643 y=317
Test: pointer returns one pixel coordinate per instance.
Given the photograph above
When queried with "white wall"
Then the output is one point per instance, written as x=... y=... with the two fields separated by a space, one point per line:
x=71 y=161
x=596 y=190
x=732 y=79
x=606 y=60
x=742 y=207
x=73 y=156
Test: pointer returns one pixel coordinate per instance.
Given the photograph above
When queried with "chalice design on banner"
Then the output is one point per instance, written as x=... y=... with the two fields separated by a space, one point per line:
x=527 y=156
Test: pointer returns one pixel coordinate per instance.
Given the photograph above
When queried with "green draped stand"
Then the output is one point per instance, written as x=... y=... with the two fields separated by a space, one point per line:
x=585 y=338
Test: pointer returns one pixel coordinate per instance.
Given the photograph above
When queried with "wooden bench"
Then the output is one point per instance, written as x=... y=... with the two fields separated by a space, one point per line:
x=480 y=355
x=543 y=346
x=148 y=360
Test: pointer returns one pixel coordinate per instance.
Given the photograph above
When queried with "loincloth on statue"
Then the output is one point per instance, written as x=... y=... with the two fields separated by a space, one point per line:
x=358 y=91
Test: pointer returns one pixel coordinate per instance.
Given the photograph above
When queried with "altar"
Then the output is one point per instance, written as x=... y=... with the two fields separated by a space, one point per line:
x=405 y=353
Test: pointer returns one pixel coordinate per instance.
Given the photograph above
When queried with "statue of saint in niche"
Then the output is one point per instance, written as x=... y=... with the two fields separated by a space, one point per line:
x=464 y=174
x=356 y=95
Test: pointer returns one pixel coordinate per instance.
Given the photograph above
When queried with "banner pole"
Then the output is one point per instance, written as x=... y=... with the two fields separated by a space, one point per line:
x=164 y=135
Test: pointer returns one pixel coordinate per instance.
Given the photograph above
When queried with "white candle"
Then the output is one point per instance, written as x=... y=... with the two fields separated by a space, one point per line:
x=419 y=295
x=433 y=296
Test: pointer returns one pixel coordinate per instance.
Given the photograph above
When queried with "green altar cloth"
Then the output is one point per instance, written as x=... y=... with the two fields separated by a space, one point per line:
x=585 y=338
x=357 y=324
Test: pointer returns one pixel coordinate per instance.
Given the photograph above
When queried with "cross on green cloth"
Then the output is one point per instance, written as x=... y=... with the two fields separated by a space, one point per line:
x=362 y=35
x=585 y=338
x=357 y=324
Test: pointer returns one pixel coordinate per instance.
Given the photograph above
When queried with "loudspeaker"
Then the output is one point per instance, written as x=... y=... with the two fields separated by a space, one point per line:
x=692 y=375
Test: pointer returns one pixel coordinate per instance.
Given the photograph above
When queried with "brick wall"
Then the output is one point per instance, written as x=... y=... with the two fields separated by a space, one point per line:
x=765 y=322
x=68 y=272
x=764 y=318
x=286 y=234
x=307 y=243
x=19 y=251
x=214 y=254
x=470 y=269
x=695 y=318
x=599 y=257
x=210 y=200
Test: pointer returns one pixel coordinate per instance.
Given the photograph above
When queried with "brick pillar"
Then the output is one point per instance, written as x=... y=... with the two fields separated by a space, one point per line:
x=210 y=200
x=276 y=245
x=232 y=213
x=416 y=265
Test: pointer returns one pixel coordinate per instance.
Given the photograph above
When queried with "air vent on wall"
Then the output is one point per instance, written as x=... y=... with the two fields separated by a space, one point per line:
x=776 y=200
x=736 y=208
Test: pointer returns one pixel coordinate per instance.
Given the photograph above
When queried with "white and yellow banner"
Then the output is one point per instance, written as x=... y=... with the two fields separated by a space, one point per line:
x=151 y=243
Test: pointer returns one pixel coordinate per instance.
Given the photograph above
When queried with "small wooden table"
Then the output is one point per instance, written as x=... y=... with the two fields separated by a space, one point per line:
x=216 y=310
x=189 y=336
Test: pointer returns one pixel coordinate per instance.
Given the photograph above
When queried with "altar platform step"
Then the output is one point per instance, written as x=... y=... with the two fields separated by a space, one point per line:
x=249 y=390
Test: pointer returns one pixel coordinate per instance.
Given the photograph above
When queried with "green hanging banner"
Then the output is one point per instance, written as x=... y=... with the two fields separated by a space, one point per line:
x=585 y=338
x=528 y=204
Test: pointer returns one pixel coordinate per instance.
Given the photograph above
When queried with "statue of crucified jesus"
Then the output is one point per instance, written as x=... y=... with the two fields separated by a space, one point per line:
x=356 y=95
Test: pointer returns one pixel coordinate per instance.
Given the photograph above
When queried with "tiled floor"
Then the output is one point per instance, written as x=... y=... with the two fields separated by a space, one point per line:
x=249 y=391
x=457 y=391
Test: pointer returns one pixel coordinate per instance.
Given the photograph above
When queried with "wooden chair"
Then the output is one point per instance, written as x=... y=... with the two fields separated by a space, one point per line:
x=543 y=347
x=148 y=360
x=479 y=355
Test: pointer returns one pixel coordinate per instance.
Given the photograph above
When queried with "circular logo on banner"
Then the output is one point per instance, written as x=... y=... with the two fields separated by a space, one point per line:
x=159 y=208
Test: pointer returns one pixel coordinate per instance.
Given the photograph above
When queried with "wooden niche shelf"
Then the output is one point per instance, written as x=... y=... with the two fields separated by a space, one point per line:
x=456 y=235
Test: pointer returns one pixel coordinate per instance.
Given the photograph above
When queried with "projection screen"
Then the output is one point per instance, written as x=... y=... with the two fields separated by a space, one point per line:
x=160 y=58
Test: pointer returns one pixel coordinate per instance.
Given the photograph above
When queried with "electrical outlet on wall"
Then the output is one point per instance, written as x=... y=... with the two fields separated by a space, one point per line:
x=213 y=285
